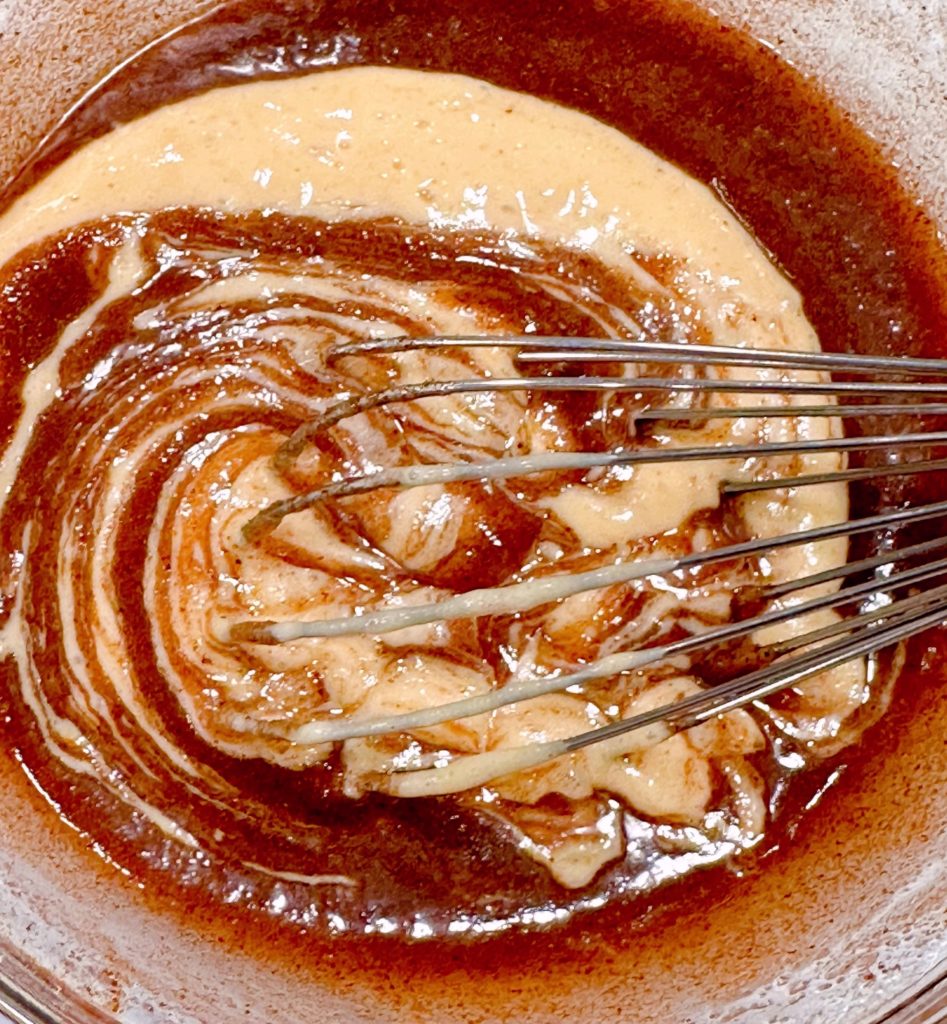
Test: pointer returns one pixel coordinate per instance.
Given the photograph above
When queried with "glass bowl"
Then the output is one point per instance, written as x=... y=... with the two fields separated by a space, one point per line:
x=848 y=927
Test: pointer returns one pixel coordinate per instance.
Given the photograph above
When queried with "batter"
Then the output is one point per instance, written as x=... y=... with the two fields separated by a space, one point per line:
x=221 y=246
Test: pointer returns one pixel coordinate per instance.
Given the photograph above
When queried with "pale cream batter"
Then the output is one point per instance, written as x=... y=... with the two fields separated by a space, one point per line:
x=450 y=154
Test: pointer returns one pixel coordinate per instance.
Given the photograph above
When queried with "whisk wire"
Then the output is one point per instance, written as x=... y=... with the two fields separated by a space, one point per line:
x=874 y=615
x=564 y=348
x=517 y=597
x=512 y=467
x=612 y=665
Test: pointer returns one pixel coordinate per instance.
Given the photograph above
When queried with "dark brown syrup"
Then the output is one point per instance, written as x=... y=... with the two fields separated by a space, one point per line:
x=810 y=186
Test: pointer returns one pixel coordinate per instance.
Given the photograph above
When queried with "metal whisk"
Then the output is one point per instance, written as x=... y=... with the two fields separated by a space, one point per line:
x=889 y=597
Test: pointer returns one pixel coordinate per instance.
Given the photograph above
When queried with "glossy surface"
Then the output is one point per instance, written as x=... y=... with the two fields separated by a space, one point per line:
x=922 y=310
x=190 y=346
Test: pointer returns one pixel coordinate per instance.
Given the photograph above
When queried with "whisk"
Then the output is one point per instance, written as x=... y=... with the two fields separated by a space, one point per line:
x=891 y=596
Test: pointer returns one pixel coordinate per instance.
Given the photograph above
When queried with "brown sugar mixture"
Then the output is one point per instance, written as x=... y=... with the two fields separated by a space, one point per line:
x=165 y=333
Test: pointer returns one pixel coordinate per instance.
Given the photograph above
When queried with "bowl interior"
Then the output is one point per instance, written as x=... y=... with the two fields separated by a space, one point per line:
x=845 y=919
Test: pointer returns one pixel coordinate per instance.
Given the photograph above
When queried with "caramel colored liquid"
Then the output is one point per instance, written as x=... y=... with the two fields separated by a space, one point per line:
x=809 y=186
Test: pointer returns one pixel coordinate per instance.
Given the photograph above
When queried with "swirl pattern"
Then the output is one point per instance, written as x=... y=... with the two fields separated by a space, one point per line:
x=147 y=404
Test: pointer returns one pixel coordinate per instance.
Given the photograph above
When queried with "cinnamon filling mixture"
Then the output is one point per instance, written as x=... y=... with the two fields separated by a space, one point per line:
x=173 y=296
